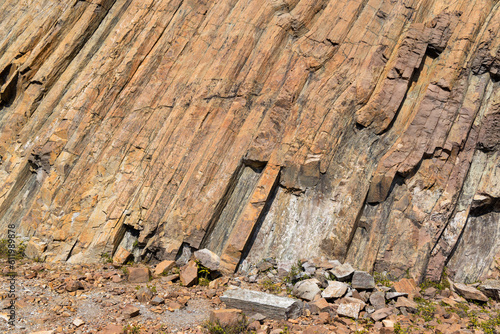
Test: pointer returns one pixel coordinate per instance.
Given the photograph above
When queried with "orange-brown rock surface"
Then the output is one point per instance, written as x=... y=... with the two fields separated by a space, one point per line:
x=366 y=131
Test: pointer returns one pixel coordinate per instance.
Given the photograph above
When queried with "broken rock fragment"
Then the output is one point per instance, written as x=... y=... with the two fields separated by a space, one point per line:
x=306 y=289
x=343 y=272
x=334 y=289
x=361 y=280
x=189 y=274
x=208 y=259
x=469 y=292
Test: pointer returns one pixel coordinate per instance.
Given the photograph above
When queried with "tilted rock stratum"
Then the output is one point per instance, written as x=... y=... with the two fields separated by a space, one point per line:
x=365 y=131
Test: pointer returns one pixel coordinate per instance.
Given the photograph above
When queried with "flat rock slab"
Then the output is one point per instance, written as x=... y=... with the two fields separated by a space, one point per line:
x=138 y=275
x=271 y=306
x=469 y=292
x=350 y=310
x=381 y=314
x=491 y=288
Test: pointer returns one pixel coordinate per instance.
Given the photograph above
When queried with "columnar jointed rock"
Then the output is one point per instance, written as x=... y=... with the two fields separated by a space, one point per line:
x=271 y=306
x=259 y=129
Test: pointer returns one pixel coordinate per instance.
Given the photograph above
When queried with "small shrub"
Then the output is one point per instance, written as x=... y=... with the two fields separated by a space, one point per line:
x=132 y=329
x=106 y=257
x=216 y=328
x=18 y=249
x=425 y=309
x=204 y=274
x=270 y=286
x=383 y=279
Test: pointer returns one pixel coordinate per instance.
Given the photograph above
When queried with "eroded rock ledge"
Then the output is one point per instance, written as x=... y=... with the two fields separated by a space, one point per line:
x=366 y=131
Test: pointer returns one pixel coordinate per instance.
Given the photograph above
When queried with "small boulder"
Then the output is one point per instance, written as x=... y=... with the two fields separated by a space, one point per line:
x=208 y=259
x=226 y=317
x=78 y=322
x=144 y=295
x=343 y=272
x=164 y=267
x=361 y=280
x=189 y=274
x=350 y=310
x=130 y=311
x=306 y=289
x=334 y=289
x=409 y=305
x=381 y=314
x=138 y=275
x=393 y=295
x=491 y=288
x=318 y=306
x=74 y=285
x=406 y=285
x=157 y=301
x=377 y=299
x=469 y=292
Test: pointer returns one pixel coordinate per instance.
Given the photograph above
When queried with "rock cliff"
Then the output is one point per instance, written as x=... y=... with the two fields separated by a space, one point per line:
x=366 y=131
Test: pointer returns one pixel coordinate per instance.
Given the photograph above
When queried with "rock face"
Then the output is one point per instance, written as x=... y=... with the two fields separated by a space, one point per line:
x=366 y=131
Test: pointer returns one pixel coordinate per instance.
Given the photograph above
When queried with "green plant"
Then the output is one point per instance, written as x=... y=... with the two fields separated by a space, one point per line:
x=132 y=329
x=19 y=248
x=270 y=286
x=106 y=257
x=294 y=272
x=443 y=283
x=383 y=279
x=152 y=288
x=135 y=244
x=285 y=330
x=238 y=328
x=125 y=271
x=400 y=330
x=425 y=309
x=203 y=274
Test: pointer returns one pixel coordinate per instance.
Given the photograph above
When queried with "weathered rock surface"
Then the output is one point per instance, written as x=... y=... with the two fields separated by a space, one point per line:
x=307 y=289
x=491 y=288
x=469 y=292
x=366 y=131
x=334 y=289
x=208 y=259
x=273 y=307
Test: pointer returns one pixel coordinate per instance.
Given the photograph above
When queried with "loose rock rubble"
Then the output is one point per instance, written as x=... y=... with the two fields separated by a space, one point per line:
x=268 y=299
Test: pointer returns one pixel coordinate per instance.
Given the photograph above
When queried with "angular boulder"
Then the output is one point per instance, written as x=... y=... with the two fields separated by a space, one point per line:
x=361 y=280
x=491 y=288
x=189 y=274
x=306 y=289
x=334 y=289
x=208 y=259
x=138 y=275
x=343 y=272
x=164 y=267
x=469 y=292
